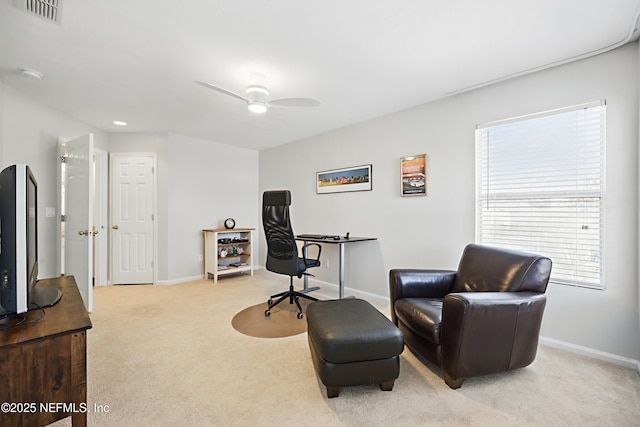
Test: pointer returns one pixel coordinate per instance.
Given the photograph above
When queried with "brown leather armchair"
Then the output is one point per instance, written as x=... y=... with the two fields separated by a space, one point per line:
x=482 y=319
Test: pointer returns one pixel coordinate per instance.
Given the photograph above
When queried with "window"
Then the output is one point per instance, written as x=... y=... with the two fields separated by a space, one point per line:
x=540 y=188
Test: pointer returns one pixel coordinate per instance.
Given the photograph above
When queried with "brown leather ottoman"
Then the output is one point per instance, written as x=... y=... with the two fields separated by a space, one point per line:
x=352 y=343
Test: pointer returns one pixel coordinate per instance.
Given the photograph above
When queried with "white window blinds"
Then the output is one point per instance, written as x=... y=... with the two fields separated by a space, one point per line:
x=540 y=188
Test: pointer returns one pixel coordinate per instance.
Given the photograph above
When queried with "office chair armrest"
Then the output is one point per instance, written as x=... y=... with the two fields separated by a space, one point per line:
x=305 y=252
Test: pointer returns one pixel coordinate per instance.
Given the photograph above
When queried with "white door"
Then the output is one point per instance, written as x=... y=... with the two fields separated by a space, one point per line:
x=132 y=215
x=78 y=223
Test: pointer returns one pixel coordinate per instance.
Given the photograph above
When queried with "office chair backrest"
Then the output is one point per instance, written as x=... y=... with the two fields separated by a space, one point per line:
x=282 y=253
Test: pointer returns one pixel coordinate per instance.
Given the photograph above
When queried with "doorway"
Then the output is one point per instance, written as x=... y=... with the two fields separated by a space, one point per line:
x=86 y=241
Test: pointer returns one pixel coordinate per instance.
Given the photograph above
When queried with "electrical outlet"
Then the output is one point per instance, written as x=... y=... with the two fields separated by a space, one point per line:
x=200 y=257
x=326 y=263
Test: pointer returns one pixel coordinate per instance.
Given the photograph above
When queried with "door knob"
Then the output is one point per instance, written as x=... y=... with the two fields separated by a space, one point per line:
x=115 y=227
x=83 y=232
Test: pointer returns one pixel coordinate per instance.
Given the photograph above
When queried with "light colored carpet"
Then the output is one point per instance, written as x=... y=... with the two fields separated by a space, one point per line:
x=168 y=355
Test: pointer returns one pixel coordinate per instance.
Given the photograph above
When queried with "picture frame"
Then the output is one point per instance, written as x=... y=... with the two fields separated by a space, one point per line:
x=413 y=175
x=355 y=178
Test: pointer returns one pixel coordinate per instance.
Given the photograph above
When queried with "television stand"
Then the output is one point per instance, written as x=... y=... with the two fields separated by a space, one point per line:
x=45 y=362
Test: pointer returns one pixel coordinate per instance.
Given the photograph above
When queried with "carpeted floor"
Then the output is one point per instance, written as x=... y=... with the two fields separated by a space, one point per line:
x=169 y=355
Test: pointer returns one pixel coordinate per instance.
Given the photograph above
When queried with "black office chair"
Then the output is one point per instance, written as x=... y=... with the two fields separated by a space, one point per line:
x=282 y=253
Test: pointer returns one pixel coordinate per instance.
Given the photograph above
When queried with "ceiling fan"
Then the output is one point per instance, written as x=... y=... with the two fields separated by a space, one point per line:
x=257 y=95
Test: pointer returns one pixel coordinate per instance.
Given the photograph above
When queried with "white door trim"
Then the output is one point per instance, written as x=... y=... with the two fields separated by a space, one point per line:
x=101 y=215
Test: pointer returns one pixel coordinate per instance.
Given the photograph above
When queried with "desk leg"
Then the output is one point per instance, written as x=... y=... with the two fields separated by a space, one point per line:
x=341 y=293
x=306 y=288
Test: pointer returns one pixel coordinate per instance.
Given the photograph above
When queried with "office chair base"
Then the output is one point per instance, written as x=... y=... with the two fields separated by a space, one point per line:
x=293 y=296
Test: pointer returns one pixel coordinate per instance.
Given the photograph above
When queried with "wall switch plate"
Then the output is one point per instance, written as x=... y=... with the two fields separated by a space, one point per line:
x=50 y=212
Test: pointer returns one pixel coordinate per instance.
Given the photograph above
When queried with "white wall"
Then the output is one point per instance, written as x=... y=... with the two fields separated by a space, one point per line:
x=200 y=183
x=431 y=231
x=208 y=182
x=30 y=134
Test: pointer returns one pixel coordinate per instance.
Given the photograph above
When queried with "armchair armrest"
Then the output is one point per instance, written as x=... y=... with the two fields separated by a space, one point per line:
x=489 y=332
x=419 y=283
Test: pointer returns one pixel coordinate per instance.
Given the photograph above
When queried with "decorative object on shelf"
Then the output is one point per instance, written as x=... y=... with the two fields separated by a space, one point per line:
x=413 y=175
x=229 y=223
x=223 y=253
x=356 y=178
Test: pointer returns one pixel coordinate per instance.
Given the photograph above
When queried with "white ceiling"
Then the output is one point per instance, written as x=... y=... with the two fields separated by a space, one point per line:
x=136 y=60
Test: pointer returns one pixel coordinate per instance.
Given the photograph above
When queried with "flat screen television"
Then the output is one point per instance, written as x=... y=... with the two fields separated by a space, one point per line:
x=19 y=244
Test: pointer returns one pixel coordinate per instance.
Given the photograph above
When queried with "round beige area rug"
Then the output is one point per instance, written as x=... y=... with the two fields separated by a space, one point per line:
x=283 y=321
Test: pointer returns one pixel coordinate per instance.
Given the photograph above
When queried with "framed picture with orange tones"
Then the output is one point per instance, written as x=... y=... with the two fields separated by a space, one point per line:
x=355 y=178
x=413 y=175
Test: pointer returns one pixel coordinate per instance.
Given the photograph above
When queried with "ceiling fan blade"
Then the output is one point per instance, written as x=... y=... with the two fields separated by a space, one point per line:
x=219 y=89
x=294 y=102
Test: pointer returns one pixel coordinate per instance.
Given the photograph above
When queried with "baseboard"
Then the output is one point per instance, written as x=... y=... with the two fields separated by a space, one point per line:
x=178 y=281
x=590 y=352
x=331 y=291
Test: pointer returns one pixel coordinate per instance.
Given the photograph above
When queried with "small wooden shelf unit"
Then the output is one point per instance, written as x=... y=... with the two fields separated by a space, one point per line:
x=237 y=242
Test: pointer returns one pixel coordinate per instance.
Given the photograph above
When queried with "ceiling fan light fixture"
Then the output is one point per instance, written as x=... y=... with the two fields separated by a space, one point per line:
x=257 y=107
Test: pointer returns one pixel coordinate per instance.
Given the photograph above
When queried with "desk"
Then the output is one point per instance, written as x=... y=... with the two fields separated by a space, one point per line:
x=341 y=241
x=46 y=361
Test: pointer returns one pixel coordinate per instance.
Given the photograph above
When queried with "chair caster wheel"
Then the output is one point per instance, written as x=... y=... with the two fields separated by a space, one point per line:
x=267 y=313
x=300 y=315
x=270 y=301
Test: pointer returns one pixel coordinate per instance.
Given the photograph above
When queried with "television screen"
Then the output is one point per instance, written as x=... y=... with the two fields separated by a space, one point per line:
x=19 y=243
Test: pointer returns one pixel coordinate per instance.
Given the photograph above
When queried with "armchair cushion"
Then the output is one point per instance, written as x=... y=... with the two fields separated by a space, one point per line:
x=422 y=315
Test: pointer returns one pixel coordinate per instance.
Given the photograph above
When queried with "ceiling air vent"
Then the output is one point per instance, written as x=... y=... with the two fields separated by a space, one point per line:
x=49 y=10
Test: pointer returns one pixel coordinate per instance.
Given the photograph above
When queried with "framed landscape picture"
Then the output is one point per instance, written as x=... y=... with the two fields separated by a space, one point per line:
x=413 y=175
x=356 y=178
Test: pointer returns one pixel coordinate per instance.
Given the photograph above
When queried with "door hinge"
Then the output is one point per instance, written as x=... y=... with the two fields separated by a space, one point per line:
x=153 y=217
x=63 y=159
x=62 y=218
